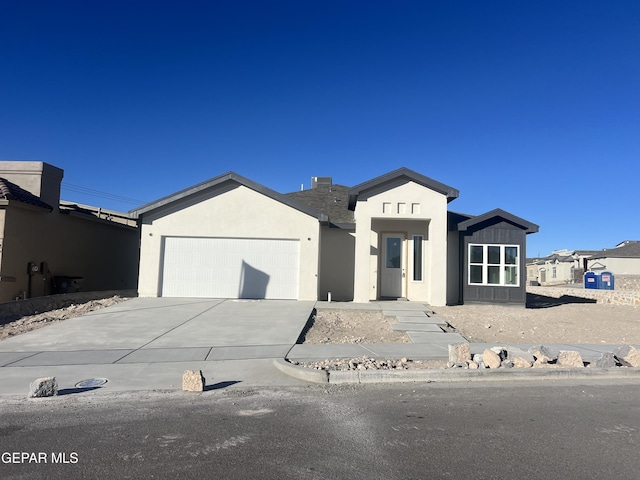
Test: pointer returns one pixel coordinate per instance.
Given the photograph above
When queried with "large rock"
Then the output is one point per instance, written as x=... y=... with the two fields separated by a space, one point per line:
x=628 y=356
x=520 y=358
x=459 y=352
x=193 y=381
x=606 y=360
x=569 y=359
x=543 y=354
x=43 y=387
x=519 y=362
x=491 y=359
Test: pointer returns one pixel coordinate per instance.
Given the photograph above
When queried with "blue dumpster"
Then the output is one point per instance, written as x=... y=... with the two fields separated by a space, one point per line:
x=591 y=280
x=606 y=281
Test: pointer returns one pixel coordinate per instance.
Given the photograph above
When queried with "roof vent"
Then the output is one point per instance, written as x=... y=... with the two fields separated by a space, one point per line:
x=320 y=181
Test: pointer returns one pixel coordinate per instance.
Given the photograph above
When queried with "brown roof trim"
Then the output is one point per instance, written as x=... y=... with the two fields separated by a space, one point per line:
x=12 y=192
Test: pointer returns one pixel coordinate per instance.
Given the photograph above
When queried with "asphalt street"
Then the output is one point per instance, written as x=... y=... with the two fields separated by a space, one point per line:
x=489 y=430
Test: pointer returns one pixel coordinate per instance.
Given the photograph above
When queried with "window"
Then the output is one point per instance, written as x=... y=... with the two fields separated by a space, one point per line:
x=554 y=272
x=417 y=258
x=494 y=265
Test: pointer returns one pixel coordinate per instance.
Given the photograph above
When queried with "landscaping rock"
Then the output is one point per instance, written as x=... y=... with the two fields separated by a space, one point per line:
x=543 y=354
x=606 y=360
x=472 y=365
x=628 y=356
x=491 y=359
x=520 y=358
x=459 y=352
x=193 y=381
x=43 y=387
x=506 y=364
x=569 y=359
x=500 y=351
x=519 y=362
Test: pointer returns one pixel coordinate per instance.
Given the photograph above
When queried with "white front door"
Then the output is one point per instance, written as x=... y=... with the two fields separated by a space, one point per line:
x=392 y=277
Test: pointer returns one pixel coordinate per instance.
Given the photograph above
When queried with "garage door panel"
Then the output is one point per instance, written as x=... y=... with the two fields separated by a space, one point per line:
x=230 y=268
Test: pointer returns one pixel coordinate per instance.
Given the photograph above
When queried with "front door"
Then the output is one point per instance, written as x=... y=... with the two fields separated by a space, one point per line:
x=393 y=274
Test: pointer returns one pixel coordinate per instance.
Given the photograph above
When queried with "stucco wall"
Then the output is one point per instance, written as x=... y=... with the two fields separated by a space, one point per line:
x=403 y=203
x=104 y=254
x=336 y=263
x=229 y=211
x=619 y=266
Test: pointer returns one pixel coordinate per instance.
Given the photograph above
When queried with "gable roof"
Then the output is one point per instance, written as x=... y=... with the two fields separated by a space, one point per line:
x=401 y=173
x=11 y=191
x=221 y=180
x=499 y=213
x=630 y=250
x=330 y=199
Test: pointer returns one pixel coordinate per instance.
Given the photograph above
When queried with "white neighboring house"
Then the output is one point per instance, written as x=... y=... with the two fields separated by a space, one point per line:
x=624 y=259
x=562 y=267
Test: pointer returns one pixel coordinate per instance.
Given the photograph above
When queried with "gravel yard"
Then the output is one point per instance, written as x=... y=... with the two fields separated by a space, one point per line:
x=547 y=320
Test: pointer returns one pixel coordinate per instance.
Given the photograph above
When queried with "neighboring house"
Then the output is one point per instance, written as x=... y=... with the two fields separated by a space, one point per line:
x=560 y=268
x=51 y=247
x=389 y=237
x=621 y=260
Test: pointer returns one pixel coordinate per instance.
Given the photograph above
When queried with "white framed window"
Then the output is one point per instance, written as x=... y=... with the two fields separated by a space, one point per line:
x=418 y=258
x=494 y=265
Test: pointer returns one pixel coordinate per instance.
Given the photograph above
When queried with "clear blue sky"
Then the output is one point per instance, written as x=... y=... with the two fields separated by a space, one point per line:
x=533 y=107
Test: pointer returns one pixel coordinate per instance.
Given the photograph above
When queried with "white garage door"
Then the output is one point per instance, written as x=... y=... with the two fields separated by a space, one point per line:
x=230 y=268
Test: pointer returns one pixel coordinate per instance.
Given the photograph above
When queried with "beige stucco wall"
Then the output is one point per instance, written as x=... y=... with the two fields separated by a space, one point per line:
x=620 y=266
x=336 y=264
x=412 y=209
x=104 y=254
x=235 y=211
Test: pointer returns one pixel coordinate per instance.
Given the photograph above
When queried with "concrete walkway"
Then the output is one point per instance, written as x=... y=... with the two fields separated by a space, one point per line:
x=147 y=343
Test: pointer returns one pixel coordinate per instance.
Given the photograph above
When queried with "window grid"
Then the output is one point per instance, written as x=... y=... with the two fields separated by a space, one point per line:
x=494 y=265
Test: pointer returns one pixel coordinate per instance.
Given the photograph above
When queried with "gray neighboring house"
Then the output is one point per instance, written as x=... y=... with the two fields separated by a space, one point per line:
x=386 y=238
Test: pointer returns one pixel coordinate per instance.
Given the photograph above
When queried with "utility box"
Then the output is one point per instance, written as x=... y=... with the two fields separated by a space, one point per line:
x=64 y=284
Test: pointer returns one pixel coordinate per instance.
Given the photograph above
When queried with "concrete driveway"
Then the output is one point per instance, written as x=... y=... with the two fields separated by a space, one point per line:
x=156 y=330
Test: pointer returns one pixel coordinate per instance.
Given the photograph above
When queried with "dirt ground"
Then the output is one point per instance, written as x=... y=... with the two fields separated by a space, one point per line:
x=39 y=320
x=547 y=320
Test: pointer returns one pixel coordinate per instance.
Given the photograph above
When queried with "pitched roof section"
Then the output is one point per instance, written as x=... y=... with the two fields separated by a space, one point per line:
x=225 y=179
x=498 y=212
x=630 y=250
x=330 y=199
x=11 y=191
x=402 y=173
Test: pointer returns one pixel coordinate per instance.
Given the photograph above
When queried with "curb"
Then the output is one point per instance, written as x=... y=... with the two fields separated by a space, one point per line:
x=301 y=373
x=452 y=375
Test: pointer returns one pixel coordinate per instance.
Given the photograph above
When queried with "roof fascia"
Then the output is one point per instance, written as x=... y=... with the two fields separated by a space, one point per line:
x=450 y=192
x=220 y=180
x=498 y=212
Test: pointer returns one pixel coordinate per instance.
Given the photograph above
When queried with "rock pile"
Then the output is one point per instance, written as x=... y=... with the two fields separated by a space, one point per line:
x=538 y=356
x=364 y=363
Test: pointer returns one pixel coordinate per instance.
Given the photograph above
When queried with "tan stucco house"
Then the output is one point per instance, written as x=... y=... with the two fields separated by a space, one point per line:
x=388 y=237
x=48 y=246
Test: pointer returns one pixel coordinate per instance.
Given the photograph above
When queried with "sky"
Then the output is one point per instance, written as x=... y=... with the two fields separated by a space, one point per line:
x=532 y=107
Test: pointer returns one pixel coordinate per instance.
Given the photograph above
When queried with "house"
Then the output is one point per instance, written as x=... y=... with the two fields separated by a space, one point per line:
x=48 y=246
x=560 y=268
x=388 y=237
x=621 y=260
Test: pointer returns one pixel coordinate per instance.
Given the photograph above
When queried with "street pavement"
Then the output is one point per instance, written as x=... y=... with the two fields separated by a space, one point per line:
x=147 y=343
